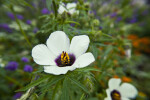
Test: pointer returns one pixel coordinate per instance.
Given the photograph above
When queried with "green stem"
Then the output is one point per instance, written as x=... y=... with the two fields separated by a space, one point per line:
x=82 y=97
x=55 y=8
x=107 y=35
x=22 y=31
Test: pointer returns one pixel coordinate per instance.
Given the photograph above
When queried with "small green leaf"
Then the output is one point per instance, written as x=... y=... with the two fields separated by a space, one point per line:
x=94 y=51
x=55 y=91
x=53 y=81
x=35 y=83
x=67 y=22
x=65 y=90
x=108 y=49
x=100 y=44
x=25 y=3
x=40 y=69
x=79 y=85
x=34 y=97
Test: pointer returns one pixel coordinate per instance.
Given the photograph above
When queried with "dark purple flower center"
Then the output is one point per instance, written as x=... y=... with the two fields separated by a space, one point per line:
x=115 y=95
x=65 y=59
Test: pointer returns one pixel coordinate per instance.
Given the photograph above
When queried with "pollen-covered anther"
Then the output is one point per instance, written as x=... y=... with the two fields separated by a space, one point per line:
x=65 y=58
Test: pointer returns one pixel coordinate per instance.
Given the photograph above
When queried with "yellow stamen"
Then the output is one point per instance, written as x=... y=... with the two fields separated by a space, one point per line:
x=116 y=96
x=65 y=58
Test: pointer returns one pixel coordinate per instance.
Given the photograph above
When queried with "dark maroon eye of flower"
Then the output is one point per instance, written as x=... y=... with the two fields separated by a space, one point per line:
x=65 y=59
x=115 y=95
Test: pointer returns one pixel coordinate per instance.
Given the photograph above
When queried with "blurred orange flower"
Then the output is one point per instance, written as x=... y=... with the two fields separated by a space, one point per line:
x=126 y=79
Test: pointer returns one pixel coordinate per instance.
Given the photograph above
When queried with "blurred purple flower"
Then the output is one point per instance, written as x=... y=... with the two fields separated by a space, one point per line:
x=12 y=66
x=45 y=11
x=92 y=12
x=28 y=22
x=100 y=27
x=118 y=19
x=17 y=95
x=5 y=27
x=113 y=14
x=11 y=15
x=24 y=59
x=34 y=5
x=35 y=30
x=145 y=12
x=72 y=24
x=133 y=20
x=20 y=17
x=117 y=1
x=28 y=68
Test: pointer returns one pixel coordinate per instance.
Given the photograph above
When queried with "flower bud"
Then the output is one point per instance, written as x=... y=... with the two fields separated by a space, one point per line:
x=96 y=22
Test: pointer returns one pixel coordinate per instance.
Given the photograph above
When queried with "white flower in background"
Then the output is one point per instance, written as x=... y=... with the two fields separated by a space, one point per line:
x=128 y=53
x=139 y=2
x=1 y=63
x=125 y=91
x=70 y=7
x=59 y=56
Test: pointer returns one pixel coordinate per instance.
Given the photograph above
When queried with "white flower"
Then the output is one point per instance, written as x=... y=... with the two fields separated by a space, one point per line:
x=128 y=53
x=139 y=2
x=70 y=7
x=59 y=56
x=125 y=91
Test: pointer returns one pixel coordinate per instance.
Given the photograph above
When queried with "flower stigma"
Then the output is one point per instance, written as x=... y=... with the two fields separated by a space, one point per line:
x=115 y=95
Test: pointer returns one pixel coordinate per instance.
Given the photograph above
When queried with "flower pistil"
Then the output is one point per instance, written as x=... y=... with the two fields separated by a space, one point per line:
x=65 y=59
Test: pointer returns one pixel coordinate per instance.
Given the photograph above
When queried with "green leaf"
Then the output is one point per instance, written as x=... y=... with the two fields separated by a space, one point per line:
x=55 y=91
x=53 y=81
x=88 y=69
x=100 y=44
x=94 y=51
x=108 y=49
x=67 y=22
x=79 y=85
x=35 y=83
x=65 y=90
x=82 y=97
x=34 y=97
x=25 y=3
x=40 y=69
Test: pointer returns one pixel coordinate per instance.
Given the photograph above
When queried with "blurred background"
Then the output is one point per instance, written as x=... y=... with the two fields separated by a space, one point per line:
x=120 y=41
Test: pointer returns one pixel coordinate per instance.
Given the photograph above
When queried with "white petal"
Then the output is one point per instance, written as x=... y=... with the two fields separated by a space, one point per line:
x=114 y=83
x=108 y=94
x=127 y=90
x=42 y=55
x=71 y=7
x=61 y=8
x=57 y=42
x=84 y=60
x=107 y=98
x=124 y=98
x=58 y=70
x=79 y=45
